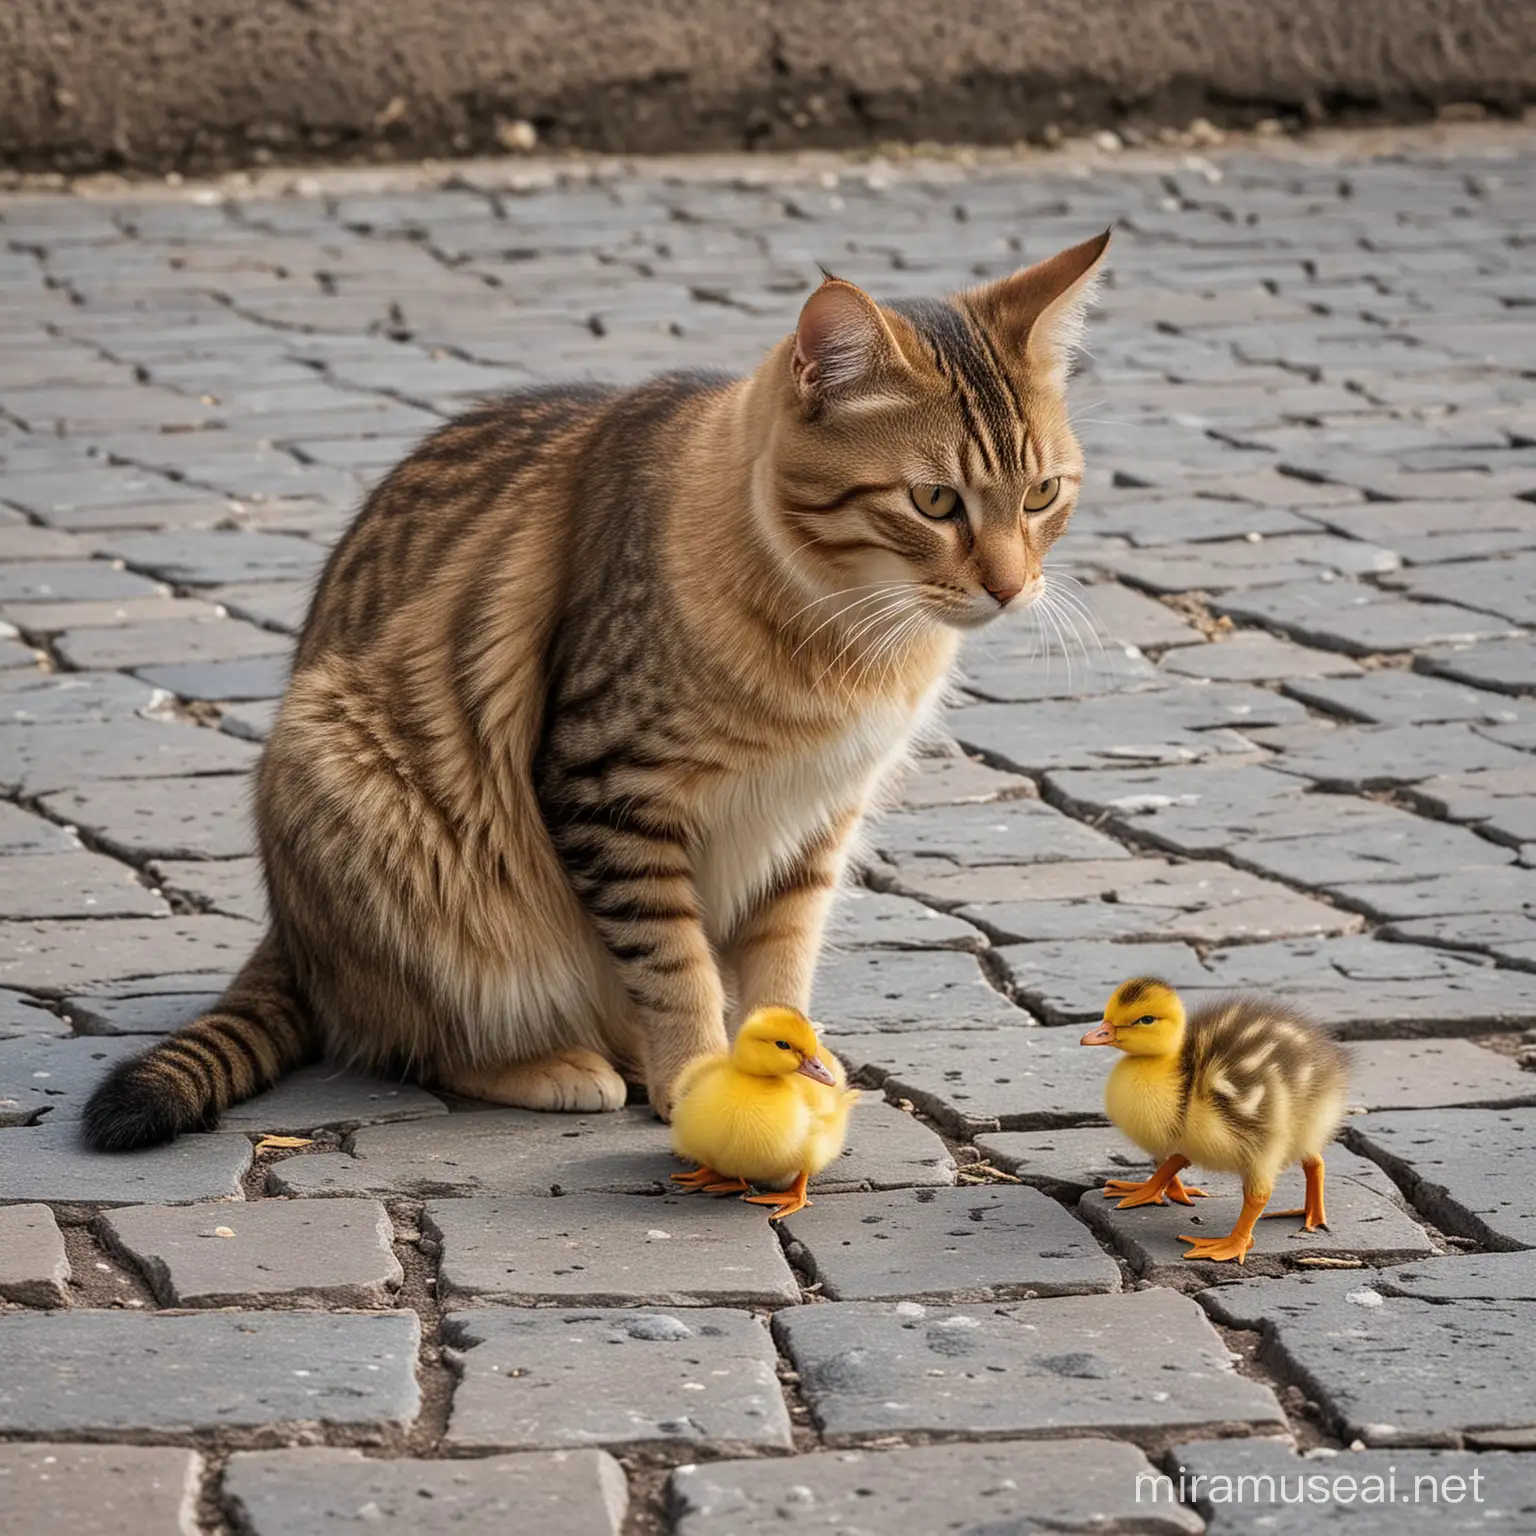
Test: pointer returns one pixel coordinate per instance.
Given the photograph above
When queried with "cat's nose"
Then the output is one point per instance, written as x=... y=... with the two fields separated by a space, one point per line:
x=1006 y=594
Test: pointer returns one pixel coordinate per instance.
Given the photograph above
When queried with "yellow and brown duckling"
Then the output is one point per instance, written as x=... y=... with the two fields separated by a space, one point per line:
x=1244 y=1085
x=771 y=1111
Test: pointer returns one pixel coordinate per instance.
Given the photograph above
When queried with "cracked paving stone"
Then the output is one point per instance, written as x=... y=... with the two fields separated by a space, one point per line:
x=512 y=1152
x=1400 y=847
x=1252 y=656
x=911 y=989
x=106 y=1490
x=1366 y=1222
x=1020 y=832
x=1504 y=587
x=1392 y=1368
x=1390 y=697
x=1499 y=802
x=1434 y=1074
x=1188 y=725
x=23 y=1015
x=77 y=884
x=1129 y=619
x=1069 y=982
x=233 y=887
x=1505 y=666
x=22 y=832
x=59 y=581
x=1468 y=1170
x=279 y=605
x=1428 y=532
x=1065 y=1163
x=47 y=758
x=1464 y=893
x=970 y=1081
x=56 y=1077
x=193 y=559
x=1245 y=1486
x=1055 y=1485
x=698 y=1379
x=34 y=1269
x=1244 y=563
x=1125 y=1365
x=331 y=1253
x=59 y=697
x=51 y=958
x=171 y=818
x=1195 y=519
x=1506 y=936
x=251 y=721
x=1149 y=899
x=1018 y=669
x=251 y=679
x=864 y=919
x=319 y=1490
x=166 y=640
x=104 y=1372
x=1356 y=758
x=330 y=1097
x=608 y=1251
x=1358 y=620
x=154 y=1014
x=975 y=1243
x=959 y=780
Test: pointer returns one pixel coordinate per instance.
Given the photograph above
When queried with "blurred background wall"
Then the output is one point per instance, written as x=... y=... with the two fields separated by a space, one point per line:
x=200 y=84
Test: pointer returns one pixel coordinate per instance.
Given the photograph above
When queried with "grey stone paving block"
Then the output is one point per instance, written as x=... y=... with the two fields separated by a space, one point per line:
x=1394 y=848
x=34 y=1269
x=231 y=886
x=205 y=817
x=1243 y=1486
x=252 y=721
x=167 y=640
x=1188 y=725
x=1435 y=1074
x=1192 y=519
x=1356 y=758
x=1358 y=620
x=317 y=1491
x=1126 y=1365
x=1247 y=563
x=51 y=958
x=1506 y=666
x=64 y=581
x=55 y=757
x=23 y=1015
x=1252 y=656
x=155 y=1014
x=608 y=1250
x=1366 y=1221
x=911 y=989
x=1427 y=532
x=1505 y=587
x=1466 y=1169
x=71 y=696
x=1127 y=618
x=109 y=613
x=1393 y=1370
x=50 y=1163
x=217 y=559
x=107 y=1490
x=56 y=1077
x=89 y=1372
x=316 y=1253
x=972 y=1081
x=540 y=1379
x=1069 y=982
x=1203 y=902
x=1065 y=1163
x=1013 y=669
x=81 y=884
x=279 y=605
x=1392 y=697
x=1499 y=802
x=959 y=780
x=1055 y=1485
x=1509 y=1276
x=1015 y=832
x=874 y=920
x=330 y=1097
x=1471 y=889
x=22 y=832
x=256 y=677
x=976 y=1243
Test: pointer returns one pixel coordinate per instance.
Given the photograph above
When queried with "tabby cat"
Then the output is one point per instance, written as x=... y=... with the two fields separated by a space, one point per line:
x=593 y=695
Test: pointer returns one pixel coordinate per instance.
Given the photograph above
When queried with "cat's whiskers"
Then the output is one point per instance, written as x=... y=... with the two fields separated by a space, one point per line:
x=896 y=605
x=887 y=589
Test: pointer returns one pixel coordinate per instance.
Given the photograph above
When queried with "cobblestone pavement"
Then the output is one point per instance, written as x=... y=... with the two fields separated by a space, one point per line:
x=1302 y=759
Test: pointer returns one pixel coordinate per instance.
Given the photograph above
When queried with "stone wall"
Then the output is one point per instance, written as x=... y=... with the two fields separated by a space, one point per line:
x=196 y=84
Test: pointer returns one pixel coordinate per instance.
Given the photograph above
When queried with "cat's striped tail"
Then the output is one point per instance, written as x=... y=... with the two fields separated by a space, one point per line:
x=260 y=1029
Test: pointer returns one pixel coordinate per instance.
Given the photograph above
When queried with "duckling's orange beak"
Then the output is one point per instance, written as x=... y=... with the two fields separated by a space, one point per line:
x=1100 y=1034
x=812 y=1067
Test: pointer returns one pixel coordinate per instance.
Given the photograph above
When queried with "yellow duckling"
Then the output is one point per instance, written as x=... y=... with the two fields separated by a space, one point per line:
x=1246 y=1085
x=773 y=1110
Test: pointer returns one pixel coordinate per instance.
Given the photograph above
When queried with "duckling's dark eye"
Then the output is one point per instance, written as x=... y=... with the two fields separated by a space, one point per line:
x=1147 y=1018
x=784 y=1045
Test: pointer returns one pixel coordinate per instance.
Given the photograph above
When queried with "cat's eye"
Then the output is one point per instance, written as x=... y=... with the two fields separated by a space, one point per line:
x=935 y=501
x=1038 y=497
x=784 y=1045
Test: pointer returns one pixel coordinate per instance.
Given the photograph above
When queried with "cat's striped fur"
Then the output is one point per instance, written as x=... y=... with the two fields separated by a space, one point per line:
x=595 y=691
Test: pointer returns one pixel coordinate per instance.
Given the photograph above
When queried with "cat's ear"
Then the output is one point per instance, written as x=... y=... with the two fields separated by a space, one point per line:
x=842 y=344
x=1040 y=310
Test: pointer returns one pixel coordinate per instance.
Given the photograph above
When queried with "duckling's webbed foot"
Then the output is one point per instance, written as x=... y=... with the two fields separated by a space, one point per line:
x=712 y=1183
x=1165 y=1182
x=1235 y=1245
x=1314 y=1215
x=787 y=1201
x=1185 y=1194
